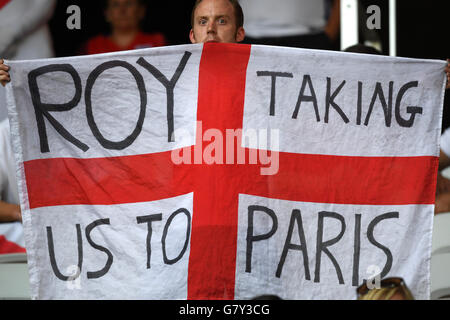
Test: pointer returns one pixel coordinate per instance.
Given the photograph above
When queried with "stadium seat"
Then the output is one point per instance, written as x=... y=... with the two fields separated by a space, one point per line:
x=440 y=257
x=14 y=280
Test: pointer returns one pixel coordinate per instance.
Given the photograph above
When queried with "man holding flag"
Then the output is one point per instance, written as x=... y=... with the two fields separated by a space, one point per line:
x=212 y=21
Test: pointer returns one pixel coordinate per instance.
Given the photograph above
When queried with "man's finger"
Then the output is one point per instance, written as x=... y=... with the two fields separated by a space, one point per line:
x=4 y=67
x=4 y=78
x=4 y=75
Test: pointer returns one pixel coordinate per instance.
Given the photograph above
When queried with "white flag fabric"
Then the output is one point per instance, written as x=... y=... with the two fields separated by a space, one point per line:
x=225 y=171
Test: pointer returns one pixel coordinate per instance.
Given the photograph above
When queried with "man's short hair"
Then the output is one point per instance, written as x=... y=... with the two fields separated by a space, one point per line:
x=361 y=48
x=105 y=3
x=239 y=14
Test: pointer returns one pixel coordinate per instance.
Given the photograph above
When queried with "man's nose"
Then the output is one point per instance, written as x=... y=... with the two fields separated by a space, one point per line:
x=211 y=27
x=122 y=8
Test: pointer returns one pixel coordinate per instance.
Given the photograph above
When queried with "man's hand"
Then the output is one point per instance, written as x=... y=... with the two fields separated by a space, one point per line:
x=4 y=74
x=442 y=185
x=16 y=214
x=442 y=203
x=9 y=212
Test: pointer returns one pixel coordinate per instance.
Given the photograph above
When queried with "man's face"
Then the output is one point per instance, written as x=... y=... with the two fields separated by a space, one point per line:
x=215 y=21
x=124 y=14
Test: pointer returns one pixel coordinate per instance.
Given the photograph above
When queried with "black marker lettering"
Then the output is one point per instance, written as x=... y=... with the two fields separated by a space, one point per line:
x=43 y=109
x=411 y=110
x=359 y=104
x=169 y=85
x=387 y=108
x=102 y=272
x=295 y=216
x=302 y=97
x=330 y=101
x=356 y=250
x=322 y=246
x=252 y=238
x=51 y=252
x=166 y=229
x=387 y=252
x=120 y=145
x=274 y=76
x=149 y=219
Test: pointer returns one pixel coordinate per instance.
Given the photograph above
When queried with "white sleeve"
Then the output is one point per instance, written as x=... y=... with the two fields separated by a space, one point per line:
x=20 y=17
x=8 y=181
x=445 y=142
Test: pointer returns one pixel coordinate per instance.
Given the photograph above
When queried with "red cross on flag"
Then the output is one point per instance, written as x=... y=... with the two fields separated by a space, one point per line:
x=3 y=3
x=225 y=171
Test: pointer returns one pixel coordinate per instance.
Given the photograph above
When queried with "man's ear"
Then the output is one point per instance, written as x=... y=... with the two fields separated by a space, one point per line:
x=240 y=34
x=192 y=37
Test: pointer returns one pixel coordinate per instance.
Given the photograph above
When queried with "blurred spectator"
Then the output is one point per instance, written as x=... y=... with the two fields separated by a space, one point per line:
x=11 y=229
x=24 y=33
x=9 y=197
x=442 y=203
x=124 y=18
x=292 y=23
x=389 y=289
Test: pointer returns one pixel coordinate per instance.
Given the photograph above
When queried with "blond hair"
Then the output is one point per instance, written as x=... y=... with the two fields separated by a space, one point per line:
x=387 y=293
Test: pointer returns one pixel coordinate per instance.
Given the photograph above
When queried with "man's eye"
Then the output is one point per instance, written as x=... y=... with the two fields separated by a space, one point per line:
x=222 y=21
x=202 y=22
